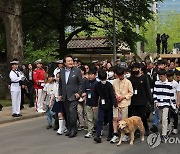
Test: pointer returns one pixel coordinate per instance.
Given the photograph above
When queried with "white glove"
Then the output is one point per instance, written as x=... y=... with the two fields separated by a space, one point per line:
x=42 y=84
x=22 y=77
x=80 y=99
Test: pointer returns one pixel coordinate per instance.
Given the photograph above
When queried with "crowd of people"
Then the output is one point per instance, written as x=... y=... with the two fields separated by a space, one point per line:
x=86 y=97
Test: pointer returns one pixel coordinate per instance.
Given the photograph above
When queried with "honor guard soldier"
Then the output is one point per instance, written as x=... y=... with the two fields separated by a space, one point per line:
x=16 y=79
x=60 y=66
x=39 y=76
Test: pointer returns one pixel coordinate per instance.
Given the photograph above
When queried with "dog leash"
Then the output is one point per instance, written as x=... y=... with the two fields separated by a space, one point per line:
x=119 y=115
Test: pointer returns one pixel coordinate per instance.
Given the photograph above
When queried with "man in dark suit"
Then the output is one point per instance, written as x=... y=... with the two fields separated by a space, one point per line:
x=152 y=74
x=70 y=91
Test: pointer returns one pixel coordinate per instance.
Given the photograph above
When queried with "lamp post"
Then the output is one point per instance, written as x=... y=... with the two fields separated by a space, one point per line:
x=138 y=43
x=114 y=31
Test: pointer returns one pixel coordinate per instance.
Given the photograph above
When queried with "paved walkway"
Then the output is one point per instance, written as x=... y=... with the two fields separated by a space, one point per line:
x=27 y=113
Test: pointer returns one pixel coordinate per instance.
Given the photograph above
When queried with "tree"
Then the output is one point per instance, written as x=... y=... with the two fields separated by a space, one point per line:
x=2 y=42
x=150 y=33
x=11 y=15
x=64 y=19
x=168 y=24
x=128 y=14
x=55 y=17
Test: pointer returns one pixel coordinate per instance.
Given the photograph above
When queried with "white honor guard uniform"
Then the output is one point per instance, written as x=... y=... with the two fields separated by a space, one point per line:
x=57 y=70
x=15 y=88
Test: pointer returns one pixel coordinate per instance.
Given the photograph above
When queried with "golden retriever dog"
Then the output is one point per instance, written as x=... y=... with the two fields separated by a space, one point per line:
x=129 y=126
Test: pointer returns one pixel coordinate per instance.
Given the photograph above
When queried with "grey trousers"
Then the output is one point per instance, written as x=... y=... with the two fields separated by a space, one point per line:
x=71 y=114
x=91 y=118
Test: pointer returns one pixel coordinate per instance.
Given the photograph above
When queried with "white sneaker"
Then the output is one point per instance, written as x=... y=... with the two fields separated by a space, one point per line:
x=175 y=131
x=89 y=135
x=59 y=132
x=65 y=130
x=41 y=111
x=102 y=132
x=115 y=139
x=125 y=138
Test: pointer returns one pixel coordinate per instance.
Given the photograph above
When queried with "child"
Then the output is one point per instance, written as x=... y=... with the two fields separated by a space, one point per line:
x=105 y=97
x=111 y=75
x=81 y=104
x=124 y=91
x=58 y=108
x=47 y=92
x=163 y=97
x=91 y=107
x=178 y=88
x=170 y=76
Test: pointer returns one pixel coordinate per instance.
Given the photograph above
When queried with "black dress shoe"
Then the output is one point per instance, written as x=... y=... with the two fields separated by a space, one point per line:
x=109 y=138
x=1 y=107
x=14 y=115
x=72 y=134
x=19 y=115
x=22 y=107
x=49 y=127
x=31 y=106
x=154 y=129
x=147 y=132
x=67 y=133
x=97 y=139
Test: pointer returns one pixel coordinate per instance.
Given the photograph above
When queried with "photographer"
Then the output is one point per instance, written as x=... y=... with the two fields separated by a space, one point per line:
x=164 y=39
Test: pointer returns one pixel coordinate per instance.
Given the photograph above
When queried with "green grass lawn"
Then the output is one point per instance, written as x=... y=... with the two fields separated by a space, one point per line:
x=5 y=102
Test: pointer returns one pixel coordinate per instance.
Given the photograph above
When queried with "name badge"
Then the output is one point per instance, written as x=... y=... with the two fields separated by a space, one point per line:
x=89 y=95
x=103 y=101
x=135 y=92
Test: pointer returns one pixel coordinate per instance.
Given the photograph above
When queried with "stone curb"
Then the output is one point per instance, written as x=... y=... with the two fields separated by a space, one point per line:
x=21 y=118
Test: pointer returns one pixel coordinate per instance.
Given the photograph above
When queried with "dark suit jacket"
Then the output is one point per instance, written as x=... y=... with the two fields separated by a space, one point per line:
x=153 y=77
x=28 y=82
x=74 y=84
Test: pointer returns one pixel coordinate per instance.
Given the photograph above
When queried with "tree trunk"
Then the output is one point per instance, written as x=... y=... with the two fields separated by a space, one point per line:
x=13 y=29
x=62 y=36
x=62 y=44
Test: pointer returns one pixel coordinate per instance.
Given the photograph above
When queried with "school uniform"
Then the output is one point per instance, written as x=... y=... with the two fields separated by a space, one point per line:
x=105 y=98
x=49 y=88
x=90 y=103
x=142 y=95
x=58 y=106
